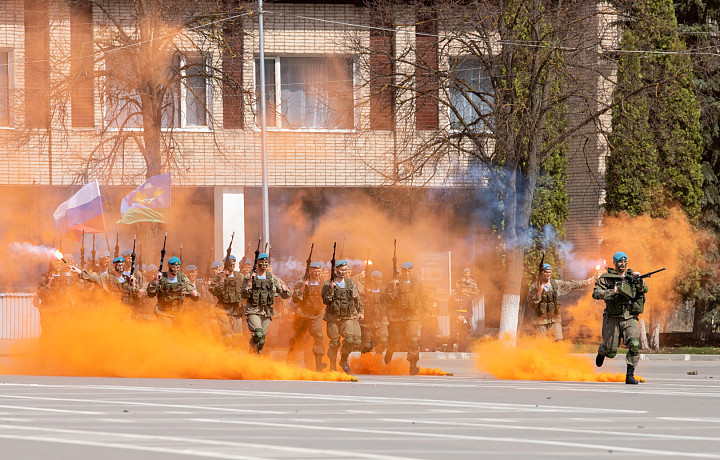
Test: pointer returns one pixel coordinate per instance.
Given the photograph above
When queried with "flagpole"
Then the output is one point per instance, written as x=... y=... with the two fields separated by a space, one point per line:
x=263 y=129
x=107 y=241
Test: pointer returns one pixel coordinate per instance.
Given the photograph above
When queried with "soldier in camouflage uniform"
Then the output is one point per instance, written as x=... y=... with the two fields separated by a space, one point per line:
x=307 y=297
x=342 y=312
x=227 y=287
x=260 y=289
x=543 y=299
x=408 y=304
x=624 y=301
x=124 y=286
x=374 y=325
x=171 y=288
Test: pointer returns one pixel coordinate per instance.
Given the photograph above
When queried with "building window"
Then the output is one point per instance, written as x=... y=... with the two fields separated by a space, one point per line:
x=5 y=86
x=471 y=95
x=314 y=92
x=186 y=102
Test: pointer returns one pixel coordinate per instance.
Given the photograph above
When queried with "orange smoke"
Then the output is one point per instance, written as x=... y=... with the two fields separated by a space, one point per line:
x=539 y=358
x=105 y=341
x=650 y=244
x=373 y=363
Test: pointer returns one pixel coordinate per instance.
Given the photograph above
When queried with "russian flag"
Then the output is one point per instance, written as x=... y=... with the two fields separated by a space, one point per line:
x=83 y=211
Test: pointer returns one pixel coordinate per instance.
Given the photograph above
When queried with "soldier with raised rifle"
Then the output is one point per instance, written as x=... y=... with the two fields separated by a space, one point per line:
x=227 y=287
x=170 y=288
x=623 y=291
x=374 y=324
x=343 y=311
x=307 y=297
x=260 y=287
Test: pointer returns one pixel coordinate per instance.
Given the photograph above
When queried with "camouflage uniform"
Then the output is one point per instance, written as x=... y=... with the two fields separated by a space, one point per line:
x=343 y=308
x=308 y=318
x=374 y=325
x=620 y=317
x=546 y=307
x=260 y=295
x=229 y=297
x=407 y=306
x=461 y=313
x=118 y=285
x=171 y=294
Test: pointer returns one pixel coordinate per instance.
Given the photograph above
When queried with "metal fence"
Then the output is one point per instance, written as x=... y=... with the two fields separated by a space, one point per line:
x=19 y=319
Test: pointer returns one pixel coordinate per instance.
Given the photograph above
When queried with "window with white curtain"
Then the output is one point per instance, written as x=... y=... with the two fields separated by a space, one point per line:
x=471 y=94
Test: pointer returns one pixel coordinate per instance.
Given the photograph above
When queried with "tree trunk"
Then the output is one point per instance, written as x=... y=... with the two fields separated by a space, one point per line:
x=511 y=297
x=643 y=335
x=655 y=338
x=701 y=329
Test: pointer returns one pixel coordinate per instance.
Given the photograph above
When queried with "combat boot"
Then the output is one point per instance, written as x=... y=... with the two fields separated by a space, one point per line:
x=319 y=364
x=630 y=375
x=414 y=369
x=599 y=359
x=345 y=366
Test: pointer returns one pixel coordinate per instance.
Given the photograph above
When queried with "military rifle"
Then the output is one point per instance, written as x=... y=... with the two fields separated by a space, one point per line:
x=181 y=257
x=132 y=257
x=332 y=264
x=257 y=254
x=342 y=249
x=228 y=263
x=82 y=251
x=92 y=256
x=245 y=256
x=209 y=261
x=117 y=244
x=394 y=261
x=308 y=262
x=162 y=254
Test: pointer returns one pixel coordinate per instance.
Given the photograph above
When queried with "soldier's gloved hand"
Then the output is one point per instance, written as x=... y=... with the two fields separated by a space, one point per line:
x=635 y=274
x=194 y=293
x=74 y=269
x=159 y=275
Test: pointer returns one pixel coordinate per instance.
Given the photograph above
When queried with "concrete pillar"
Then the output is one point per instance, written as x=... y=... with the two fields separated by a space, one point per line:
x=229 y=218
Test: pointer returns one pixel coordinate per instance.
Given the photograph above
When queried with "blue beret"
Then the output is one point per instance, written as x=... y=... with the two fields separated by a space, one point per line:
x=152 y=267
x=248 y=261
x=144 y=267
x=341 y=263
x=216 y=264
x=547 y=267
x=466 y=270
x=619 y=255
x=126 y=252
x=104 y=255
x=407 y=265
x=376 y=274
x=315 y=265
x=118 y=260
x=191 y=267
x=174 y=260
x=232 y=258
x=262 y=255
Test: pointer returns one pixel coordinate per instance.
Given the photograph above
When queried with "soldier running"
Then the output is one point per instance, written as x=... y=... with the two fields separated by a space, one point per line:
x=343 y=310
x=307 y=296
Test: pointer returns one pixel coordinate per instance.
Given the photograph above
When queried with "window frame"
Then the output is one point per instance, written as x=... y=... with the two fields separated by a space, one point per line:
x=451 y=123
x=10 y=87
x=278 y=94
x=182 y=90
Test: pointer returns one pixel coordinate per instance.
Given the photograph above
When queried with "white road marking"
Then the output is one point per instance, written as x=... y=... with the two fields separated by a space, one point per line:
x=558 y=430
x=182 y=440
x=44 y=409
x=603 y=447
x=383 y=400
x=146 y=404
x=692 y=419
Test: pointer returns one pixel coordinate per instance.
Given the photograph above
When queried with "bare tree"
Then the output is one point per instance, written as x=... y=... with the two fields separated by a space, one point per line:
x=154 y=66
x=482 y=89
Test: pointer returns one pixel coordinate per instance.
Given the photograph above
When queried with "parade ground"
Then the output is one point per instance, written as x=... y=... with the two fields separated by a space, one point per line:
x=468 y=415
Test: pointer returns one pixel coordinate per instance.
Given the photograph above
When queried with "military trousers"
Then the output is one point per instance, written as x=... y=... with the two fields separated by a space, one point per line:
x=312 y=326
x=429 y=333
x=616 y=328
x=374 y=336
x=459 y=331
x=551 y=328
x=258 y=326
x=405 y=332
x=347 y=329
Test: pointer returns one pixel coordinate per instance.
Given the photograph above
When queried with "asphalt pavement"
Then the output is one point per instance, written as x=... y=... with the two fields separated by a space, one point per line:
x=469 y=415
